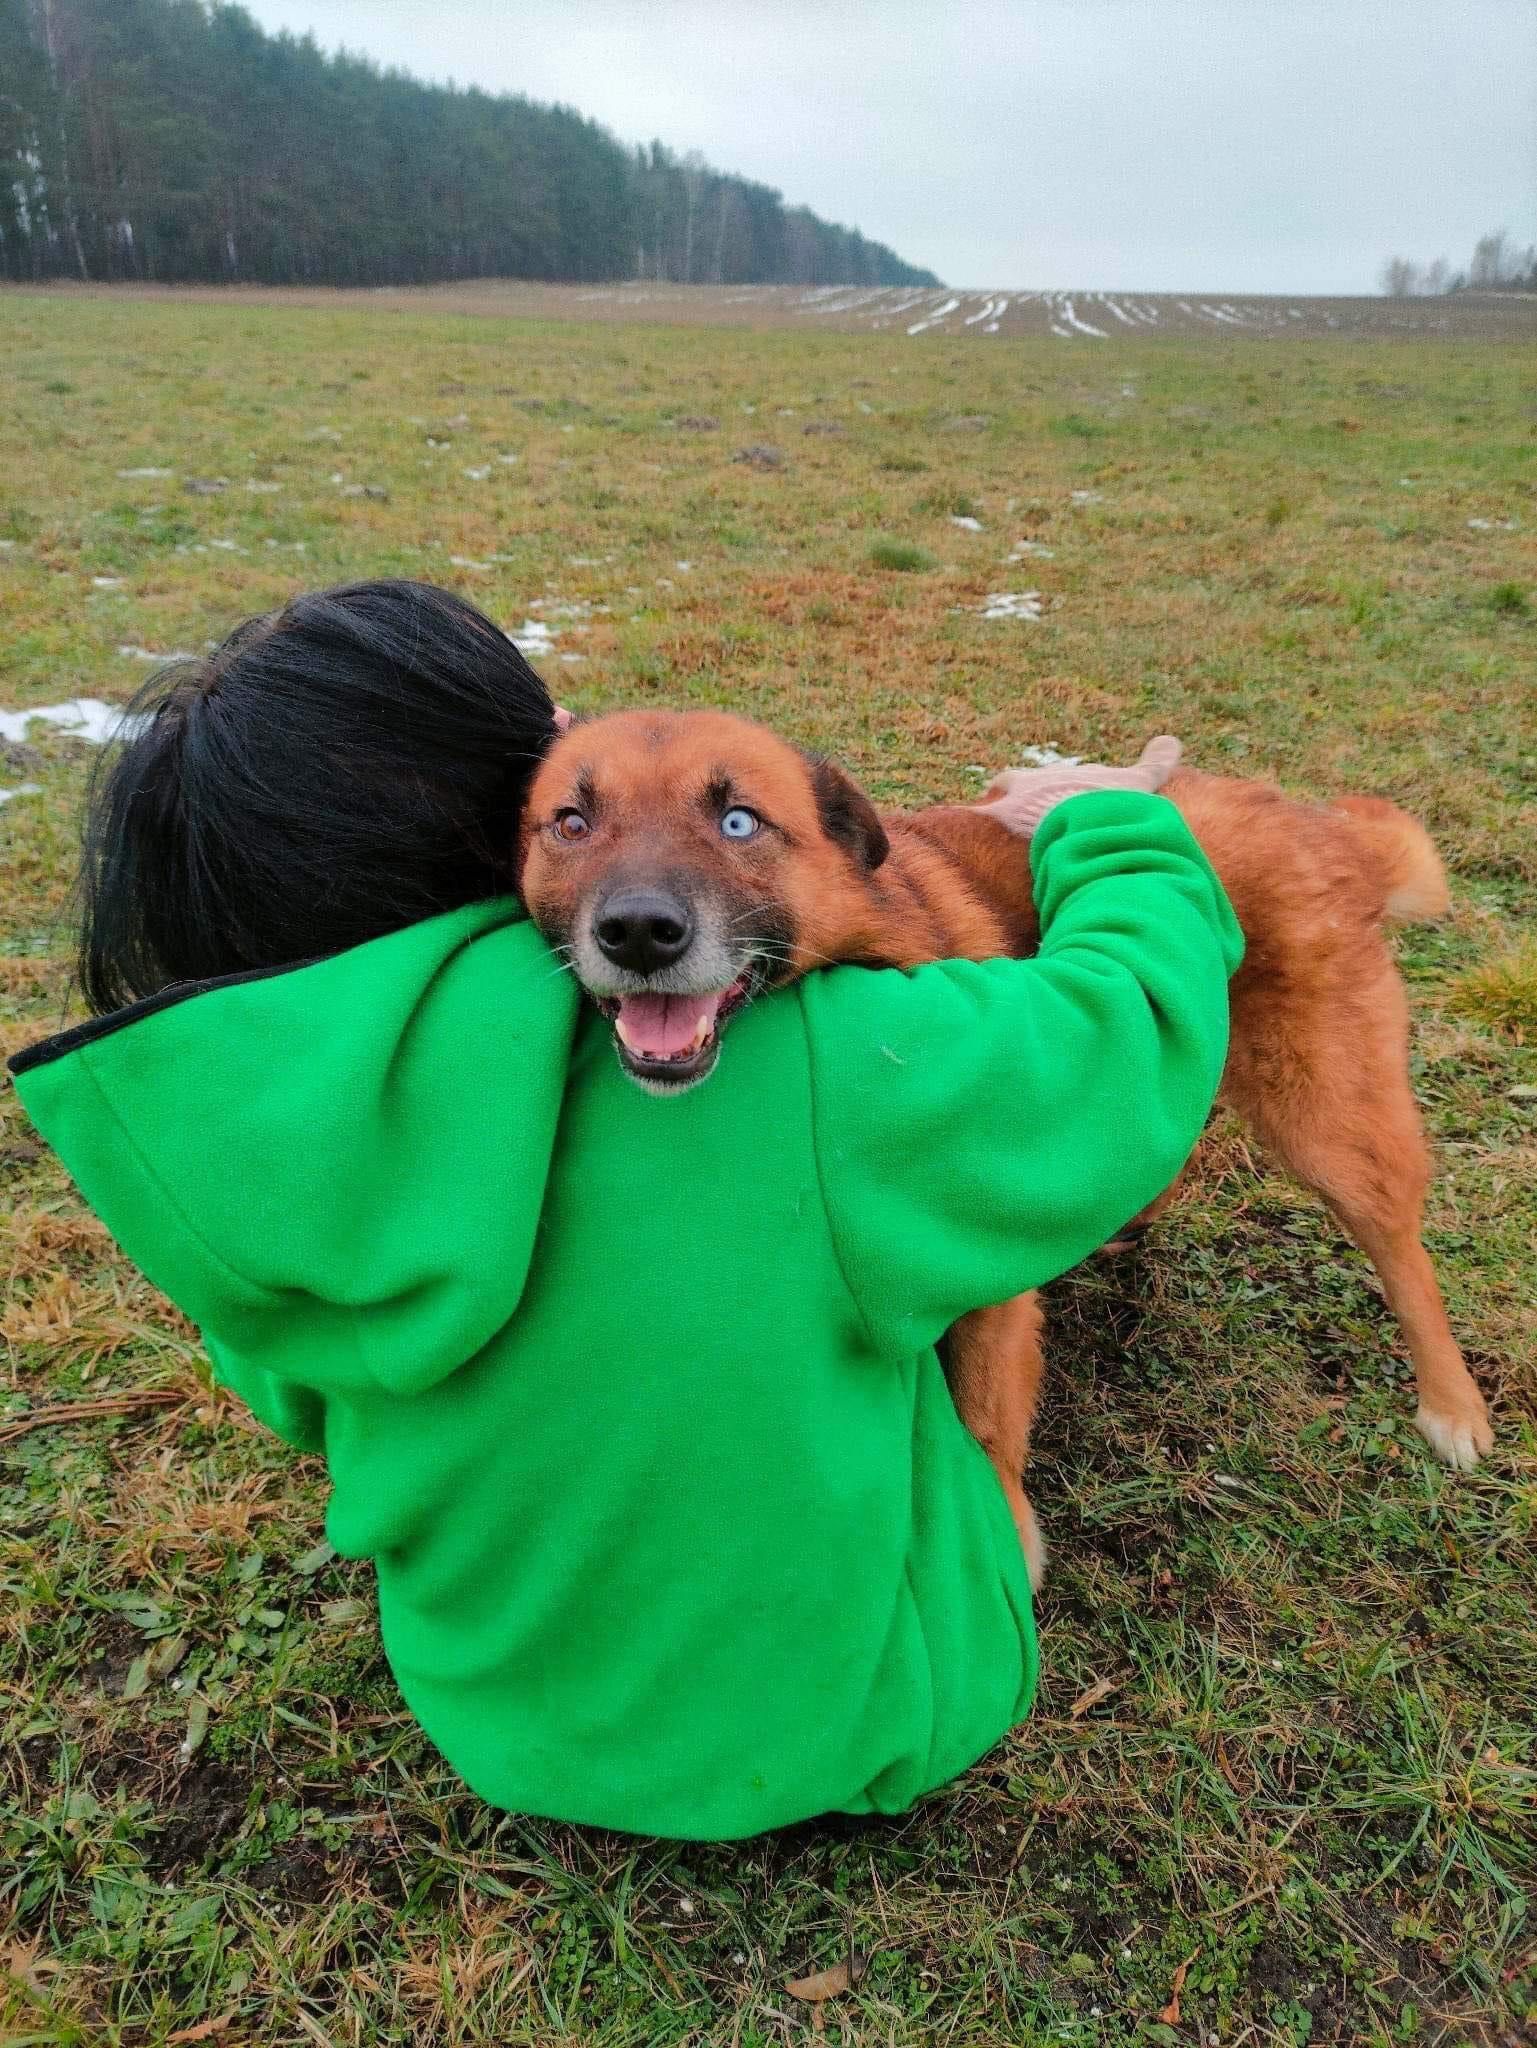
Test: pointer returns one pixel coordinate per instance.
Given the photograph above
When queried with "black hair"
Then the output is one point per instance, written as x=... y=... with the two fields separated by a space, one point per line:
x=335 y=770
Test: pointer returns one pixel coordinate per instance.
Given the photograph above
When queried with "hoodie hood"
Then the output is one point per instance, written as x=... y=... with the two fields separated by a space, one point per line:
x=280 y=1151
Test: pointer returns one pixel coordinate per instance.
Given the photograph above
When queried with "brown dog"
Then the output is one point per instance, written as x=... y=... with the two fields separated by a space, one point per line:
x=684 y=862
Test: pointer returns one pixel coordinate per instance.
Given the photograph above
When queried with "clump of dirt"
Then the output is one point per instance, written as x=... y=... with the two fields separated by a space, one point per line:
x=206 y=1805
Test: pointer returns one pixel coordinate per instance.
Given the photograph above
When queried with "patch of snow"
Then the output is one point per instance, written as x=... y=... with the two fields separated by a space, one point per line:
x=1022 y=548
x=534 y=638
x=933 y=319
x=147 y=654
x=106 y=583
x=1494 y=525
x=478 y=476
x=1047 y=756
x=22 y=789
x=229 y=547
x=465 y=562
x=84 y=718
x=1088 y=497
x=961 y=519
x=1008 y=604
x=683 y=568
x=1111 y=307
x=261 y=490
x=146 y=472
x=1081 y=326
x=508 y=460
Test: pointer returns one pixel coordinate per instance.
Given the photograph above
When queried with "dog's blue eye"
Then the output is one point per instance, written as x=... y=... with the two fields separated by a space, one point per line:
x=740 y=823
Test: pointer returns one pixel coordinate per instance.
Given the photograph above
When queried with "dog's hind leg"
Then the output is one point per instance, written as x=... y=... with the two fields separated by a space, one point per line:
x=993 y=1362
x=1340 y=1115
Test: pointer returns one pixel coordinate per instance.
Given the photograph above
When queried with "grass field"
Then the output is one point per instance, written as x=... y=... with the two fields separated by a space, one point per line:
x=1280 y=1783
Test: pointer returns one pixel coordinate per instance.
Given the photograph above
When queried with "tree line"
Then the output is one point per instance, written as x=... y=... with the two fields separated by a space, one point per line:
x=176 y=141
x=1497 y=266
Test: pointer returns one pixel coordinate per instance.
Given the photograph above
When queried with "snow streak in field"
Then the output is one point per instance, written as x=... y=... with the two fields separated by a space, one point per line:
x=933 y=319
x=1081 y=326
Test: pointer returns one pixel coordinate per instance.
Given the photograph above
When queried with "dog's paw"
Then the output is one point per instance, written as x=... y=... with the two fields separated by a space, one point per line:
x=1460 y=1438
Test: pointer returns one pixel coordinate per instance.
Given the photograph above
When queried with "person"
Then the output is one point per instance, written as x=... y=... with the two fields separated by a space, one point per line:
x=634 y=1404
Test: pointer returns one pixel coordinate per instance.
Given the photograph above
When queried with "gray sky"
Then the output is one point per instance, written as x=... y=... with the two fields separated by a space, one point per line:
x=1219 y=145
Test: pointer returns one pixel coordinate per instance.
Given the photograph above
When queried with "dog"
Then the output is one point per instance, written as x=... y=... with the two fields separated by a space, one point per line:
x=684 y=862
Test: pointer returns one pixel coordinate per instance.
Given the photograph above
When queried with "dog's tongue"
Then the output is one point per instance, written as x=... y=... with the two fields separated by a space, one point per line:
x=666 y=1027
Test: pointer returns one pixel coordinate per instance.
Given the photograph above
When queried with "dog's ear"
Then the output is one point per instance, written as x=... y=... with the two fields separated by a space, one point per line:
x=848 y=816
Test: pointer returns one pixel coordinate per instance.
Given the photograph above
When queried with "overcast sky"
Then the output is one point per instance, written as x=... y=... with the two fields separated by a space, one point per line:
x=1217 y=145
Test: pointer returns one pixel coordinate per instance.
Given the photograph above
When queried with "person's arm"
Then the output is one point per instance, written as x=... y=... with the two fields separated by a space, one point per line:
x=981 y=1127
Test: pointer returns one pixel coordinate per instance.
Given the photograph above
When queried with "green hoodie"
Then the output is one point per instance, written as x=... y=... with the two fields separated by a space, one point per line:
x=634 y=1402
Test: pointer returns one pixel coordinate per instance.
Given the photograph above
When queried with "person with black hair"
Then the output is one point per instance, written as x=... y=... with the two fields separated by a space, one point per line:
x=335 y=770
x=634 y=1403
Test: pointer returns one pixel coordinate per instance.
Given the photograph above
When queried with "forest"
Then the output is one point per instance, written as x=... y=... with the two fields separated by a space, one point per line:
x=176 y=141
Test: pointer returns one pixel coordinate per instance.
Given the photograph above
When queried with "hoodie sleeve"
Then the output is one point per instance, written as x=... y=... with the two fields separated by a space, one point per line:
x=981 y=1127
x=281 y=1153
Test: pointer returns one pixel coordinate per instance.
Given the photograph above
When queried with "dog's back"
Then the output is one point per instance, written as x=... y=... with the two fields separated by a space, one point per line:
x=1312 y=884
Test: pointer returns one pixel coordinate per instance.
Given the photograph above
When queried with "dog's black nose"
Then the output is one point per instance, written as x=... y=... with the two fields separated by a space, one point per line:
x=643 y=929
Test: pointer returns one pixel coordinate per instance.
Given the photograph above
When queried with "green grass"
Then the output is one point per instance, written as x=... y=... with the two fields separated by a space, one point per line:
x=900 y=554
x=1286 y=1732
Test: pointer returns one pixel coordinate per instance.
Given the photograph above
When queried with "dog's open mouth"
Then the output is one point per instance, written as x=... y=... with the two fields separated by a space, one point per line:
x=671 y=1041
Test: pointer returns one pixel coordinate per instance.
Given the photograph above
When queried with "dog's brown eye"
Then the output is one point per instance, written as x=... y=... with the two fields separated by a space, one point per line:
x=571 y=825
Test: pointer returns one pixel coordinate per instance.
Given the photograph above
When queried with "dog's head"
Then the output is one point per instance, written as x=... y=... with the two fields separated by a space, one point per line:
x=684 y=861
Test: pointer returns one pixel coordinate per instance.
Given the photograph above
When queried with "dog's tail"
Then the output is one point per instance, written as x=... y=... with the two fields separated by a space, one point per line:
x=1403 y=856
